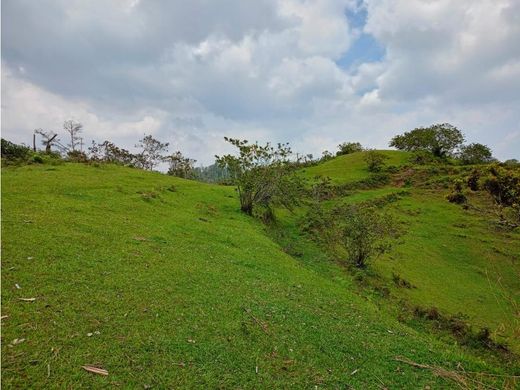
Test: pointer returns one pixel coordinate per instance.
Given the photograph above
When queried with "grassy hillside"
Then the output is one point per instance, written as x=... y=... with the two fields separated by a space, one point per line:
x=456 y=260
x=164 y=283
x=352 y=167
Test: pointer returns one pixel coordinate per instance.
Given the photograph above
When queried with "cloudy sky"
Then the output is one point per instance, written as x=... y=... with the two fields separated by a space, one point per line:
x=314 y=73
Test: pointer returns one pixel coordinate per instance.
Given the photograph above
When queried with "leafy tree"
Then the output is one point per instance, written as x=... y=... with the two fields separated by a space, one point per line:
x=512 y=162
x=326 y=156
x=441 y=140
x=110 y=153
x=151 y=153
x=180 y=166
x=349 y=147
x=365 y=233
x=263 y=174
x=73 y=128
x=375 y=160
x=475 y=153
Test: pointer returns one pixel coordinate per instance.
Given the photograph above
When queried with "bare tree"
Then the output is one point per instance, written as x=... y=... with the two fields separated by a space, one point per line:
x=49 y=139
x=73 y=128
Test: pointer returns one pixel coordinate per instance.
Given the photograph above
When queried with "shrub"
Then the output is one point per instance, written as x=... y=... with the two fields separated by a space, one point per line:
x=375 y=160
x=503 y=185
x=457 y=195
x=348 y=148
x=473 y=180
x=365 y=233
x=77 y=156
x=475 y=154
x=14 y=153
x=263 y=174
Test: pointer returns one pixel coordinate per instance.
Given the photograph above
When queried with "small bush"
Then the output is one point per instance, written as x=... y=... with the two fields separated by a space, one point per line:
x=473 y=180
x=12 y=151
x=348 y=148
x=375 y=160
x=457 y=195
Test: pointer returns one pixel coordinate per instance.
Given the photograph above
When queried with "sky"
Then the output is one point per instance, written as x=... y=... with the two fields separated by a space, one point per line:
x=312 y=73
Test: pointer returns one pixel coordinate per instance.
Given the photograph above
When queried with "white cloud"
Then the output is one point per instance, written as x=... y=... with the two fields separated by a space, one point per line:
x=194 y=72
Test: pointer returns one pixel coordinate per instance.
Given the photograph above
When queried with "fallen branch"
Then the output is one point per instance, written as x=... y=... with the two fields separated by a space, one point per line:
x=95 y=370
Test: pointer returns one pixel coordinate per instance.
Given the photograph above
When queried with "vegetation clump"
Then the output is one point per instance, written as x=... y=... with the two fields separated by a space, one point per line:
x=360 y=232
x=457 y=194
x=348 y=148
x=475 y=153
x=263 y=174
x=375 y=160
x=441 y=140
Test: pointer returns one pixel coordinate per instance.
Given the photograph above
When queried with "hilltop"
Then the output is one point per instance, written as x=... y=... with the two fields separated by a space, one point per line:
x=163 y=282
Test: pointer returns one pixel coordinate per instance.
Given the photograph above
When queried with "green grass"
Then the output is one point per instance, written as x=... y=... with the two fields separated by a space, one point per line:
x=459 y=263
x=185 y=291
x=352 y=167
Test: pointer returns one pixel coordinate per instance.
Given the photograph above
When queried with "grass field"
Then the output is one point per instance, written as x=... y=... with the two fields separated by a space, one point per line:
x=352 y=167
x=164 y=283
x=457 y=261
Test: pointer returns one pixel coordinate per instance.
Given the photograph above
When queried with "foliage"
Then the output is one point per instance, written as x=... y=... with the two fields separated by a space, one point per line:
x=77 y=156
x=322 y=189
x=457 y=195
x=14 y=152
x=151 y=153
x=108 y=152
x=366 y=233
x=475 y=153
x=503 y=185
x=180 y=166
x=375 y=160
x=211 y=174
x=73 y=128
x=423 y=157
x=440 y=139
x=473 y=180
x=263 y=174
x=360 y=230
x=326 y=156
x=349 y=147
x=512 y=162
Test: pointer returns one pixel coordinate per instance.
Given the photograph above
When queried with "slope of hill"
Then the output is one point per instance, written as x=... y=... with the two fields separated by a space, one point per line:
x=352 y=167
x=164 y=283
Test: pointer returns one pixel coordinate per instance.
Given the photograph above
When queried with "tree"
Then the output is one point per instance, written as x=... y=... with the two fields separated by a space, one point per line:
x=263 y=174
x=50 y=139
x=151 y=154
x=366 y=233
x=326 y=156
x=108 y=152
x=180 y=166
x=441 y=140
x=375 y=160
x=73 y=128
x=349 y=147
x=475 y=154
